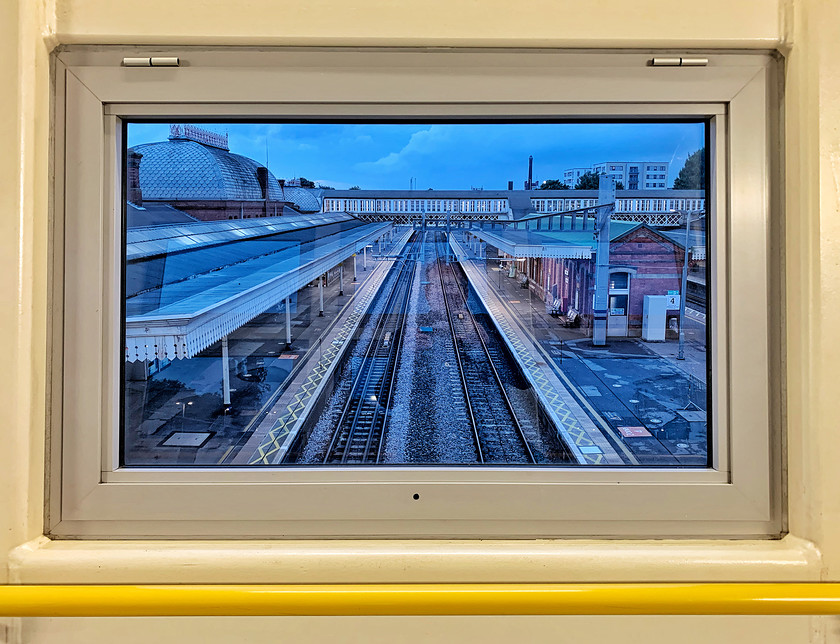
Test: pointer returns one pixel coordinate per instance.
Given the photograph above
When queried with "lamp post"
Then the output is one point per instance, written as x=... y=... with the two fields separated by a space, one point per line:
x=183 y=406
x=684 y=284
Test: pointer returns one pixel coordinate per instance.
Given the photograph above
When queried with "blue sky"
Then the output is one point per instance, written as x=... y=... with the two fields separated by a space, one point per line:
x=441 y=155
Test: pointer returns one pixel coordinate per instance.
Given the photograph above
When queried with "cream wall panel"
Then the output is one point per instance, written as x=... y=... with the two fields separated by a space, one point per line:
x=422 y=630
x=24 y=123
x=813 y=232
x=532 y=23
x=829 y=319
x=12 y=506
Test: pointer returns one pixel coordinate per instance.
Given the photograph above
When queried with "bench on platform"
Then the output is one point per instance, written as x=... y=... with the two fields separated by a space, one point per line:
x=571 y=319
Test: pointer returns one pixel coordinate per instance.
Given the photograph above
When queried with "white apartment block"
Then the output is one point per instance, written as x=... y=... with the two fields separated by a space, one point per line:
x=635 y=175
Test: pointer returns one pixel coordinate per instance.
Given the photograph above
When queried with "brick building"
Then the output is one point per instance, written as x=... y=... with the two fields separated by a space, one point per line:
x=642 y=261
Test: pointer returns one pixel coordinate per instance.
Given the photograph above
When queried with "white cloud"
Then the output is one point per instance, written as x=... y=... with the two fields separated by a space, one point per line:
x=421 y=144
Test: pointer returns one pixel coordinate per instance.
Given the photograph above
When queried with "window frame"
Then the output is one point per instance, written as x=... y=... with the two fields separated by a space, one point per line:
x=740 y=496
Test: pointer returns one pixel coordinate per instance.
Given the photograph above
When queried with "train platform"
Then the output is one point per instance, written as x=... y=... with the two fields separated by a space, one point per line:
x=317 y=357
x=649 y=406
x=588 y=443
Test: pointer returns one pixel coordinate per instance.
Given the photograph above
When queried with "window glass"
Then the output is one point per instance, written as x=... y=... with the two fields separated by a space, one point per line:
x=357 y=293
x=618 y=281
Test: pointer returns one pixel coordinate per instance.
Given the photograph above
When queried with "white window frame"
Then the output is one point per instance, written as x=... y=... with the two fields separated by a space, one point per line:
x=90 y=496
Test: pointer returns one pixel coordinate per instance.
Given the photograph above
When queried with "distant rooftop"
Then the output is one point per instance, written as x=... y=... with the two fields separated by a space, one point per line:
x=187 y=132
x=187 y=168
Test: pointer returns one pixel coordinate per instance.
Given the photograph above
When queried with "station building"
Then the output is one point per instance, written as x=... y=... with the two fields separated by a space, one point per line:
x=555 y=256
x=195 y=173
x=213 y=241
x=552 y=234
x=653 y=207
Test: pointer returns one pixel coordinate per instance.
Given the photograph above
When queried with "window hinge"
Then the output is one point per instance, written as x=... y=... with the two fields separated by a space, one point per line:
x=154 y=61
x=679 y=62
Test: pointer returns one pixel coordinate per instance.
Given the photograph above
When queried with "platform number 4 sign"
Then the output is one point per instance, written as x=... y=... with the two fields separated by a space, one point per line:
x=673 y=301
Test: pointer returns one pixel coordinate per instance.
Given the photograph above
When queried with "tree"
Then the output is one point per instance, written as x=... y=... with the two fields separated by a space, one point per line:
x=619 y=185
x=587 y=181
x=554 y=184
x=693 y=174
x=306 y=183
x=354 y=188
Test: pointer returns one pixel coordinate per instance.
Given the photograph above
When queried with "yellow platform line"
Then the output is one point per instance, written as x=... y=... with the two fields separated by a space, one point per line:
x=570 y=423
x=275 y=438
x=422 y=599
x=593 y=412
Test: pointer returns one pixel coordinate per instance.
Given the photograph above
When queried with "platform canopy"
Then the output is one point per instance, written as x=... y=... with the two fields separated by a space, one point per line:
x=521 y=243
x=182 y=317
x=147 y=241
x=569 y=243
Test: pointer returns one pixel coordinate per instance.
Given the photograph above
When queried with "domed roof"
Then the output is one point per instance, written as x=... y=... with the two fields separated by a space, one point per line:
x=183 y=169
x=304 y=200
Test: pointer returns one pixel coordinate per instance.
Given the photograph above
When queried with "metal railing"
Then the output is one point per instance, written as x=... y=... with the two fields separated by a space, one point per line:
x=422 y=599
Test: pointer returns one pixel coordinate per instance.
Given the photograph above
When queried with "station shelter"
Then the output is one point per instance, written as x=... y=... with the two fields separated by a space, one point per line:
x=555 y=256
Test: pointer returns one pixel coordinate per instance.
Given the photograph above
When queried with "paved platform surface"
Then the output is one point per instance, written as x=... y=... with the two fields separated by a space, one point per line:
x=647 y=405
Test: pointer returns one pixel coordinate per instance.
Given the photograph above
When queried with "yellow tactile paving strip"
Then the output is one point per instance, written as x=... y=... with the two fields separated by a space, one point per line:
x=274 y=445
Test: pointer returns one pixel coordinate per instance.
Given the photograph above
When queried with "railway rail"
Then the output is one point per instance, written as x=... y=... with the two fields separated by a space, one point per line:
x=496 y=429
x=360 y=430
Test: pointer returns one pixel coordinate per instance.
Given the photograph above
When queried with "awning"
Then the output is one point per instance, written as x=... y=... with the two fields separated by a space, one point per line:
x=521 y=244
x=182 y=327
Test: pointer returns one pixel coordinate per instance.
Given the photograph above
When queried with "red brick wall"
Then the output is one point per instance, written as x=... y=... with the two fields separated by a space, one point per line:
x=654 y=262
x=658 y=263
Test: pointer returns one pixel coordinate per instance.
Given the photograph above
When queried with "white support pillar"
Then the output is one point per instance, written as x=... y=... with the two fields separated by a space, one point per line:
x=321 y=296
x=355 y=275
x=288 y=324
x=341 y=279
x=364 y=258
x=379 y=241
x=225 y=372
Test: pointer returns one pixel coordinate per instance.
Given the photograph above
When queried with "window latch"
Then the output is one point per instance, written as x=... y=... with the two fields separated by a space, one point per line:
x=154 y=61
x=679 y=62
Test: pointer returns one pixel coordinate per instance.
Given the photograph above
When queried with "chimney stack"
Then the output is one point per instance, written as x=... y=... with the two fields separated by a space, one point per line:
x=262 y=177
x=132 y=174
x=530 y=172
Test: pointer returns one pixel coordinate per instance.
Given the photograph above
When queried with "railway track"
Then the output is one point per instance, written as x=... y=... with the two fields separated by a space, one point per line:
x=361 y=427
x=496 y=429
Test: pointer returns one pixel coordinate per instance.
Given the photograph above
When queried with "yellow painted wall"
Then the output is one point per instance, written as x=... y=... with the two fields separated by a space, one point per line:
x=807 y=31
